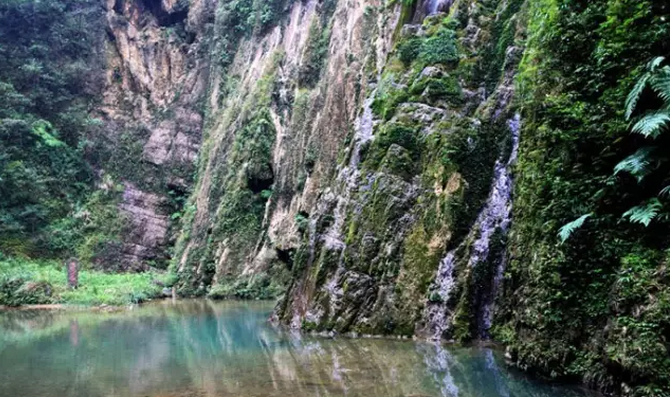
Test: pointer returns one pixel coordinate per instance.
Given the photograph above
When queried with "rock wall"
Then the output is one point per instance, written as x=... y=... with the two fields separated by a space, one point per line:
x=156 y=80
x=407 y=238
x=279 y=118
x=349 y=152
x=360 y=154
x=403 y=168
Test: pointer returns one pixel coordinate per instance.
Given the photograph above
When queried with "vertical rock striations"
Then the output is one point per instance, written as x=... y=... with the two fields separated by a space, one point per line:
x=279 y=117
x=152 y=113
x=410 y=236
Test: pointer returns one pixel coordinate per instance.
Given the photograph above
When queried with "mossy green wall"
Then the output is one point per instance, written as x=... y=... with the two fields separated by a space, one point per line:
x=595 y=308
x=419 y=186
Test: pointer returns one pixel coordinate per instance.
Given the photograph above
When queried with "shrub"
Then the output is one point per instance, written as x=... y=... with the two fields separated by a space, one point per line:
x=440 y=48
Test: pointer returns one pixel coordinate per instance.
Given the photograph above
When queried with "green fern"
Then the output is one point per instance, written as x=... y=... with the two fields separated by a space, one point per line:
x=635 y=94
x=566 y=230
x=657 y=79
x=637 y=164
x=660 y=83
x=655 y=63
x=644 y=213
x=652 y=125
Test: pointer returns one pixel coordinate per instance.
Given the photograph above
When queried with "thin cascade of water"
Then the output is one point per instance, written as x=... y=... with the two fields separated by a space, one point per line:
x=496 y=215
x=435 y=6
x=437 y=308
x=503 y=221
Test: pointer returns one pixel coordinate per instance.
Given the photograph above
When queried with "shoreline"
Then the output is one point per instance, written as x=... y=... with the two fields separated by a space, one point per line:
x=67 y=307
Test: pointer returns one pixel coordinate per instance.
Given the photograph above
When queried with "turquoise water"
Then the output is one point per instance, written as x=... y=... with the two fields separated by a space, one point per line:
x=207 y=349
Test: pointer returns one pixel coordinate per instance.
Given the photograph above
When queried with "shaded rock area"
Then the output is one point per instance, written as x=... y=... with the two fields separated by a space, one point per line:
x=152 y=114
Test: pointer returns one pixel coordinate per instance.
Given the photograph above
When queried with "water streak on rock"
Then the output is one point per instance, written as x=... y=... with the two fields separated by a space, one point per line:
x=348 y=182
x=436 y=311
x=496 y=216
x=501 y=212
x=435 y=6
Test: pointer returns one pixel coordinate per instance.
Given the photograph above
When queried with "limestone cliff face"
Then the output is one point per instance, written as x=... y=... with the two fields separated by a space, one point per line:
x=407 y=237
x=359 y=154
x=280 y=117
x=156 y=80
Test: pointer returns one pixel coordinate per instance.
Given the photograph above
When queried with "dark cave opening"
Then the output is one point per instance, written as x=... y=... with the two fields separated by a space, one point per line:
x=260 y=181
x=286 y=256
x=163 y=17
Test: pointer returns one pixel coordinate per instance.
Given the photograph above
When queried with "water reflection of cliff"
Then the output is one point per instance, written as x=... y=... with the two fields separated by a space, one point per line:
x=209 y=349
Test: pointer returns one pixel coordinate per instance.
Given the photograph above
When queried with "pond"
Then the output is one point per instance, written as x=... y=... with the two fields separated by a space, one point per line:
x=221 y=349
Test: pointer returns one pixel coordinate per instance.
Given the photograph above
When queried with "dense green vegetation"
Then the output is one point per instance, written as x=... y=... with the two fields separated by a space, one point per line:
x=596 y=307
x=241 y=186
x=26 y=282
x=237 y=19
x=49 y=77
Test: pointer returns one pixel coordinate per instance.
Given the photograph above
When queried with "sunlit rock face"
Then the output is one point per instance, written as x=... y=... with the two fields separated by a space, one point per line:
x=305 y=104
x=403 y=240
x=325 y=167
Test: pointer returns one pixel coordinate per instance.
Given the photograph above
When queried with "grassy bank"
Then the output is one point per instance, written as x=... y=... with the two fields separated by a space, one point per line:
x=29 y=282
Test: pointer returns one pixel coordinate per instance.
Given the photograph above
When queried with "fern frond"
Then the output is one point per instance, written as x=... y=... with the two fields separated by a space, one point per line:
x=637 y=164
x=644 y=213
x=665 y=191
x=566 y=230
x=652 y=124
x=660 y=83
x=655 y=63
x=634 y=96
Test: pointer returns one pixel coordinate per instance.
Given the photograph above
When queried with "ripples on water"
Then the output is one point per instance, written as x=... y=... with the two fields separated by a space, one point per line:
x=202 y=348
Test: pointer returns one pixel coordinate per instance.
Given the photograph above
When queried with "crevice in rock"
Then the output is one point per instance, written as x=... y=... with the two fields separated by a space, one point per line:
x=286 y=256
x=264 y=181
x=118 y=6
x=163 y=17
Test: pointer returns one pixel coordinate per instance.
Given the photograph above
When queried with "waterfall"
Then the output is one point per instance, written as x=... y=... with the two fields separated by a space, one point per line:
x=496 y=215
x=435 y=6
x=436 y=312
x=499 y=216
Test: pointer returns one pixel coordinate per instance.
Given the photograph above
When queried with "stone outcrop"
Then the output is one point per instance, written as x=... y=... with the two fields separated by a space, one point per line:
x=152 y=109
x=328 y=175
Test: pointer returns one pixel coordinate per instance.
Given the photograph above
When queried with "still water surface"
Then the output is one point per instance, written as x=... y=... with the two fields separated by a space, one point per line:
x=207 y=349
